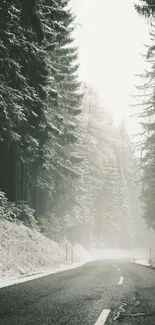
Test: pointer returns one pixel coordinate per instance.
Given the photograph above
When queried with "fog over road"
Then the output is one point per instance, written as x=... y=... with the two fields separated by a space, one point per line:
x=98 y=293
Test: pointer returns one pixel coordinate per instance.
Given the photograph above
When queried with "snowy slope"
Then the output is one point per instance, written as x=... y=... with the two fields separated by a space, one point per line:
x=25 y=252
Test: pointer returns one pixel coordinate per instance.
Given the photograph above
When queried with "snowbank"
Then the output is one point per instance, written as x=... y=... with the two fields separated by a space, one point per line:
x=142 y=262
x=25 y=252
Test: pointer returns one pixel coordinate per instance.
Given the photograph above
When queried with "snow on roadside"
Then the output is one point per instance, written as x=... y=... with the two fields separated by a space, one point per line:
x=26 y=254
x=142 y=262
x=5 y=281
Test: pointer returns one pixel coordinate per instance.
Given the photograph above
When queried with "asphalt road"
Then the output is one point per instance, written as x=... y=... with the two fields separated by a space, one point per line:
x=79 y=296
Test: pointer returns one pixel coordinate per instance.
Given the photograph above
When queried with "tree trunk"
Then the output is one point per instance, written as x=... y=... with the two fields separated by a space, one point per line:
x=12 y=156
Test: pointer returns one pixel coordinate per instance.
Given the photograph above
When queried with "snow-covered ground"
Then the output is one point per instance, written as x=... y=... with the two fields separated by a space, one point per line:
x=26 y=254
x=142 y=262
x=7 y=281
x=146 y=262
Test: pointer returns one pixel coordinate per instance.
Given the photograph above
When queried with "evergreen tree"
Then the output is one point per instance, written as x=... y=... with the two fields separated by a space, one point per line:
x=147 y=120
x=64 y=106
x=146 y=8
x=23 y=72
x=39 y=100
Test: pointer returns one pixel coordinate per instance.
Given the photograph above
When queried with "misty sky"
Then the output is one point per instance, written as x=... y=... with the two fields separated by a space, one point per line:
x=111 y=40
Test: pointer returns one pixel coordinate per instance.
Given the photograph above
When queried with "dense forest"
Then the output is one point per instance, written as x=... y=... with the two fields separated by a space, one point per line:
x=40 y=100
x=147 y=120
x=65 y=168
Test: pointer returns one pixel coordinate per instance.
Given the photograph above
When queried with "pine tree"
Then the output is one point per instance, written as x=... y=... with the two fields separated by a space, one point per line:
x=63 y=106
x=146 y=8
x=21 y=104
x=147 y=120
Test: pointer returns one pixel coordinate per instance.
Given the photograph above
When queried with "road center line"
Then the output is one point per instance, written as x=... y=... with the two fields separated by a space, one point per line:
x=103 y=317
x=119 y=270
x=121 y=280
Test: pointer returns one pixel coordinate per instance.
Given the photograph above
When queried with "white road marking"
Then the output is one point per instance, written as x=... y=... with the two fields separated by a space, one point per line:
x=121 y=280
x=119 y=270
x=103 y=317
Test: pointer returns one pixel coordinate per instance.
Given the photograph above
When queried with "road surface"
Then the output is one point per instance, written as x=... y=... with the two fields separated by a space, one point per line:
x=98 y=293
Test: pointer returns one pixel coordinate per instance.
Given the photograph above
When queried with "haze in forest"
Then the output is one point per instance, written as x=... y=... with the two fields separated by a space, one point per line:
x=112 y=59
x=70 y=168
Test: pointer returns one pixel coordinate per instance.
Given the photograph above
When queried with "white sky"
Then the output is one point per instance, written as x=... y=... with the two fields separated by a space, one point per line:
x=111 y=39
